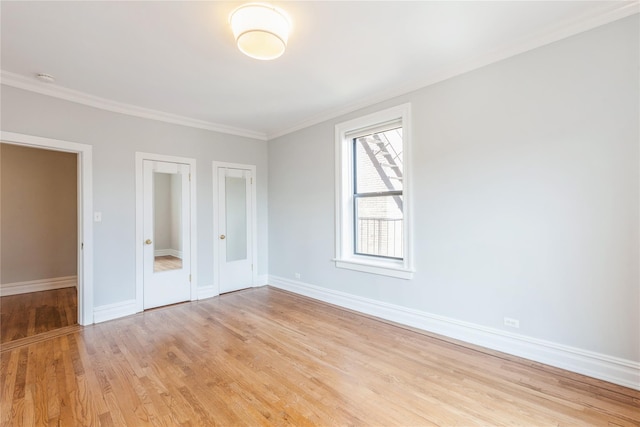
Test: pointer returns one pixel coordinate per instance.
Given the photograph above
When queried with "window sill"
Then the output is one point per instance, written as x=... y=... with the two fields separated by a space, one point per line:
x=380 y=268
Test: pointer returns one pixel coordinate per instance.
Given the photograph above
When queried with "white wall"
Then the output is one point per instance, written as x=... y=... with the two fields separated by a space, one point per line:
x=526 y=185
x=115 y=139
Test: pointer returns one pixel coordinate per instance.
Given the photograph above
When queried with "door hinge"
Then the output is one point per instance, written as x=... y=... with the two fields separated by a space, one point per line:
x=251 y=267
x=189 y=177
x=82 y=246
x=189 y=277
x=251 y=181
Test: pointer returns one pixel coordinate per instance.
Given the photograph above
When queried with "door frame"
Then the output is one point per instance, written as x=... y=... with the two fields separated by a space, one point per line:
x=193 y=242
x=216 y=231
x=85 y=207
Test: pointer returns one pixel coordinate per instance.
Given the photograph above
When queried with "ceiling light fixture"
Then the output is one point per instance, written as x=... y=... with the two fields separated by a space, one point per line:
x=261 y=30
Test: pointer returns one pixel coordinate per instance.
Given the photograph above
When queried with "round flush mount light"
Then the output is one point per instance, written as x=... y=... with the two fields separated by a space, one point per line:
x=261 y=30
x=47 y=78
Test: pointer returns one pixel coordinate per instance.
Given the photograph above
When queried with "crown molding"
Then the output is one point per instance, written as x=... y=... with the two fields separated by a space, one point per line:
x=32 y=85
x=619 y=10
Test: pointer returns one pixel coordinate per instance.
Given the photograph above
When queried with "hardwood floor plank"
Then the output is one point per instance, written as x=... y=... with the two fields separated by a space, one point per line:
x=268 y=357
x=9 y=366
x=105 y=420
x=49 y=388
x=61 y=381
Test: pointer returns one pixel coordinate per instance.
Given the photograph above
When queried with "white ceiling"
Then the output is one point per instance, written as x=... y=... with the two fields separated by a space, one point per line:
x=177 y=61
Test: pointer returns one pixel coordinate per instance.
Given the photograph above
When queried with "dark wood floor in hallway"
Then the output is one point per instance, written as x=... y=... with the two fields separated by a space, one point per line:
x=268 y=357
x=26 y=315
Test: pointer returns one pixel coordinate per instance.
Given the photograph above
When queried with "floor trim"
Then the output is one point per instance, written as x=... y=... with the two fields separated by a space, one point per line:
x=12 y=345
x=107 y=312
x=615 y=370
x=26 y=287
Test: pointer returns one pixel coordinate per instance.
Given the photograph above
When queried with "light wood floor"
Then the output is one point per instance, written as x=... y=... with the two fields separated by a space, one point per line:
x=26 y=315
x=267 y=357
x=166 y=263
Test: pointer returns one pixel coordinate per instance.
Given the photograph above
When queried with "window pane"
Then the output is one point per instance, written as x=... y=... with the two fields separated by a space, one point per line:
x=379 y=226
x=379 y=162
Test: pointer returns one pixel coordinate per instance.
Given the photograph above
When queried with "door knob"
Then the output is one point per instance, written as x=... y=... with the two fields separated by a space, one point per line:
x=148 y=241
x=222 y=237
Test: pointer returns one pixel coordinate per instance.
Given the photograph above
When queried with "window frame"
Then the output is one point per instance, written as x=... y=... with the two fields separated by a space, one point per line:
x=345 y=255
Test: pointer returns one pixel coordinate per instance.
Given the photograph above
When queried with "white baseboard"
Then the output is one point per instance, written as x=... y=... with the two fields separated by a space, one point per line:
x=205 y=292
x=168 y=252
x=596 y=365
x=211 y=291
x=114 y=311
x=16 y=288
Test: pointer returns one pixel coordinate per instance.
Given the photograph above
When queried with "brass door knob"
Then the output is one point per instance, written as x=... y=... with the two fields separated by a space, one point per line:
x=222 y=237
x=148 y=241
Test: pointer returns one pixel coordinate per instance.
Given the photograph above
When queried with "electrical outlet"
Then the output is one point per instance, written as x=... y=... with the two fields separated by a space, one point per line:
x=297 y=275
x=513 y=323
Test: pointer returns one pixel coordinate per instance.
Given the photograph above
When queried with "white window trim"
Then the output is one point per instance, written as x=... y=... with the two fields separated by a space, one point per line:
x=345 y=256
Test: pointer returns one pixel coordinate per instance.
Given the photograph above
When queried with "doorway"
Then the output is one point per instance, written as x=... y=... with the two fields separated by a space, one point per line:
x=38 y=234
x=81 y=245
x=165 y=230
x=234 y=226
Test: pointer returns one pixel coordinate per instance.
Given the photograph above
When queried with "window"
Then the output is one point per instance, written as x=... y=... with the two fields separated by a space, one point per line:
x=377 y=192
x=372 y=193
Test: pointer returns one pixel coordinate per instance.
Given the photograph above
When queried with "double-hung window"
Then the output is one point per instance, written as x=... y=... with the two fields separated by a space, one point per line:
x=372 y=193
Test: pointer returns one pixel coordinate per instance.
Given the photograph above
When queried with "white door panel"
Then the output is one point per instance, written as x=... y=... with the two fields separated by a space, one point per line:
x=166 y=254
x=235 y=226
